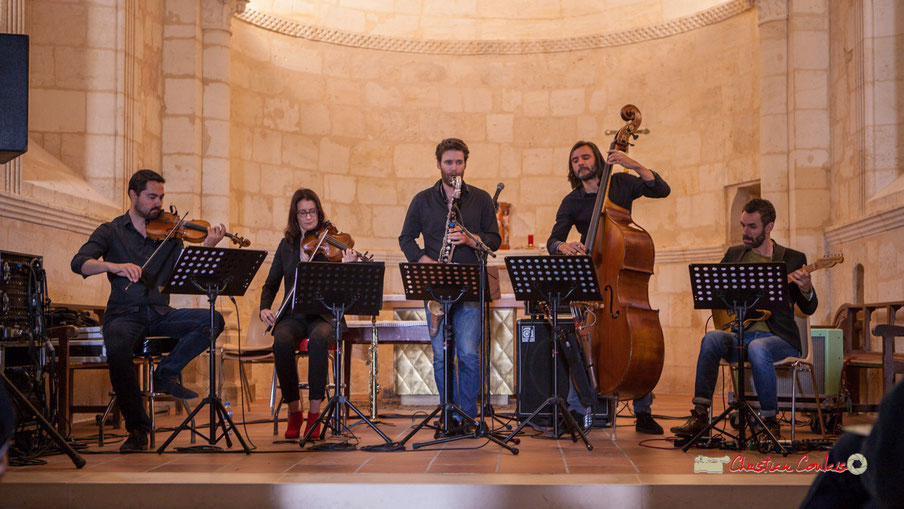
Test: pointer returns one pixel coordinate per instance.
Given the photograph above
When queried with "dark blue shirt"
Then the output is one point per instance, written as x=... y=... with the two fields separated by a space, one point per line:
x=119 y=242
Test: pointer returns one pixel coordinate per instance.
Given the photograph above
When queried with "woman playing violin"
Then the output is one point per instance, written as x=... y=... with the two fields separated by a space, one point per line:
x=289 y=329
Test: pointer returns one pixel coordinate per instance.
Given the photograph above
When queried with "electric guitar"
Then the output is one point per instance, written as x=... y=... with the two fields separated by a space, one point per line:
x=724 y=319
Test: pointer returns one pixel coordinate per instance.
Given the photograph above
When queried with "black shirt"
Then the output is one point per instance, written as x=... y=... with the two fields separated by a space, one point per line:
x=576 y=208
x=119 y=242
x=427 y=215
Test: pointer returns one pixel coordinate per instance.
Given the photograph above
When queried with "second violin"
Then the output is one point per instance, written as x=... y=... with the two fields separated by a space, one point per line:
x=327 y=240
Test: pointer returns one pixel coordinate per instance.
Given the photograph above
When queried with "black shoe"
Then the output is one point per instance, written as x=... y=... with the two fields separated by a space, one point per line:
x=137 y=442
x=697 y=422
x=774 y=426
x=172 y=386
x=646 y=424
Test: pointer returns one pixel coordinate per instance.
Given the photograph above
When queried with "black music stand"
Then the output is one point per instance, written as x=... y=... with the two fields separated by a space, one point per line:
x=213 y=271
x=739 y=287
x=554 y=279
x=447 y=284
x=339 y=288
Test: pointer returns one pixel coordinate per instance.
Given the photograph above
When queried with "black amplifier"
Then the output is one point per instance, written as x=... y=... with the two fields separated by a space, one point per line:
x=533 y=344
x=21 y=291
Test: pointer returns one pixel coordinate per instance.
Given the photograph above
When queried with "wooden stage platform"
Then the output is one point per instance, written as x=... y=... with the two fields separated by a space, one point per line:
x=632 y=471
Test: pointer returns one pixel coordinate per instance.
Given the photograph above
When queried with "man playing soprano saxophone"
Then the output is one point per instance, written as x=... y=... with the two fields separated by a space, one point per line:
x=426 y=216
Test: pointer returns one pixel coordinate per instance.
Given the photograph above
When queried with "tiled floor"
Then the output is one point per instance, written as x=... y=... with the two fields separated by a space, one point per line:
x=633 y=471
x=631 y=454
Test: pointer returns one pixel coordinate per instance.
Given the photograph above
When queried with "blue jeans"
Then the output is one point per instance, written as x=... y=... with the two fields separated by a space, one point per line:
x=642 y=404
x=763 y=349
x=466 y=341
x=124 y=332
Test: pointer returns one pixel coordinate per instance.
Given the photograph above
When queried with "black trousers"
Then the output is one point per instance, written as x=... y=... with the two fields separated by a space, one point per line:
x=123 y=333
x=286 y=335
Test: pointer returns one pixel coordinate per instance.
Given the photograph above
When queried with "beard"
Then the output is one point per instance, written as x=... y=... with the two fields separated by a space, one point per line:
x=586 y=173
x=151 y=213
x=754 y=242
x=449 y=180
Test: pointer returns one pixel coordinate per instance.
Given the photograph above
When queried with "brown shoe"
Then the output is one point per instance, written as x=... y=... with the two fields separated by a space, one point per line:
x=697 y=422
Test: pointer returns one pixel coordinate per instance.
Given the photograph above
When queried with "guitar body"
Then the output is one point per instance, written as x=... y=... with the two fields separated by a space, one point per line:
x=724 y=319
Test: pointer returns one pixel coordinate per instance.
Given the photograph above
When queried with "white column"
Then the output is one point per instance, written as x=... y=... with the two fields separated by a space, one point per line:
x=216 y=18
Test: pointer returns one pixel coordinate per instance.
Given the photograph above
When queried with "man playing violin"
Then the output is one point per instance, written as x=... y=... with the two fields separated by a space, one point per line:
x=576 y=210
x=306 y=223
x=426 y=216
x=136 y=308
x=767 y=341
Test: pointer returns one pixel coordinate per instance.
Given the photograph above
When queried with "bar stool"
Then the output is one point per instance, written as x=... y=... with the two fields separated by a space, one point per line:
x=149 y=353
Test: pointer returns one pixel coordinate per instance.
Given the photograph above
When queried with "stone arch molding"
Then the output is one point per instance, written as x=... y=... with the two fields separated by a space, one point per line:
x=495 y=47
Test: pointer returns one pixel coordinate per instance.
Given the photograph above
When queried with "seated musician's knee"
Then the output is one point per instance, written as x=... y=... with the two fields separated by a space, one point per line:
x=758 y=353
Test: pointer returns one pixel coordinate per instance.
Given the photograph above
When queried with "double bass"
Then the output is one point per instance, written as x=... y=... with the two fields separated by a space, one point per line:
x=625 y=335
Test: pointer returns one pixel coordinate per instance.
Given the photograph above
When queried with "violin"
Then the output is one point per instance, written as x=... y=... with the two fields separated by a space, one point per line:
x=194 y=231
x=332 y=245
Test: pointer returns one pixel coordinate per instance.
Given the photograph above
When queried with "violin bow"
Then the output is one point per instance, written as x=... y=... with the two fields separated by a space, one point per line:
x=168 y=235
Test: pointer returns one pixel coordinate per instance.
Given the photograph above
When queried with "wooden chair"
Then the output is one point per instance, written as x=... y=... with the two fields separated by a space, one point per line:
x=855 y=321
x=257 y=347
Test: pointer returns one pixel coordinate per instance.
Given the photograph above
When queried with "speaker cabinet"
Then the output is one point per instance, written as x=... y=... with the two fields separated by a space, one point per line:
x=13 y=96
x=533 y=341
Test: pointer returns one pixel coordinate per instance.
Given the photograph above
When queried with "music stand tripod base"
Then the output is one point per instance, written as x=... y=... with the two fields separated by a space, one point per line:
x=739 y=287
x=213 y=271
x=447 y=284
x=556 y=280
x=339 y=289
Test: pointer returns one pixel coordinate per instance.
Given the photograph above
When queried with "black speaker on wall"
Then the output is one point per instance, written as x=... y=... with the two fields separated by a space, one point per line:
x=13 y=96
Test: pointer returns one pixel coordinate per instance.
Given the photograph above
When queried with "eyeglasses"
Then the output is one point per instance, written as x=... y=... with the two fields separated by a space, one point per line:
x=307 y=213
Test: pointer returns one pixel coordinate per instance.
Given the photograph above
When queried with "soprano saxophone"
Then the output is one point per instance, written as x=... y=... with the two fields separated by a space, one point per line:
x=445 y=256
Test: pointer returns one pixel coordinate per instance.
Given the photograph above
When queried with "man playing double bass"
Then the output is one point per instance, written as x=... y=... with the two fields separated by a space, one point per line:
x=585 y=165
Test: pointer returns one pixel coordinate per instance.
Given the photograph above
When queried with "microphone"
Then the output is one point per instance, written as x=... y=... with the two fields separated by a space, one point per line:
x=499 y=187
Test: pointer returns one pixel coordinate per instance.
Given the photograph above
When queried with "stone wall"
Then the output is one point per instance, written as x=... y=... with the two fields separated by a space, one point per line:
x=360 y=126
x=793 y=100
x=867 y=200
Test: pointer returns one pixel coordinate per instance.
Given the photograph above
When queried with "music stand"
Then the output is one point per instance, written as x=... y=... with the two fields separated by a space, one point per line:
x=447 y=284
x=339 y=288
x=213 y=271
x=739 y=287
x=554 y=279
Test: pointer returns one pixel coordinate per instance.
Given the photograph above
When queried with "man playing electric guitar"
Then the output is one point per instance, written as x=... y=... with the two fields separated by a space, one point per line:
x=767 y=341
